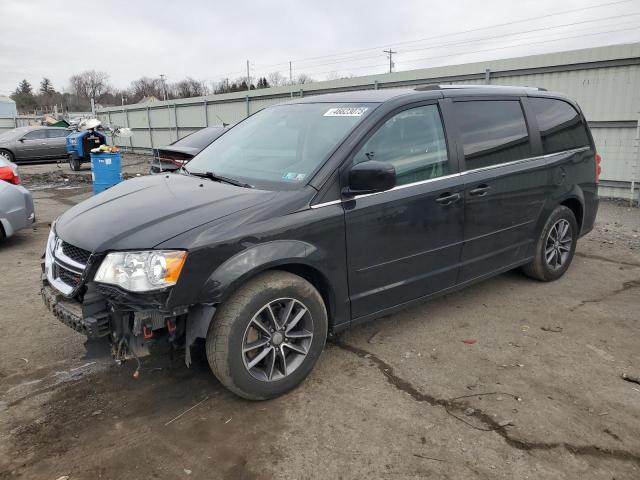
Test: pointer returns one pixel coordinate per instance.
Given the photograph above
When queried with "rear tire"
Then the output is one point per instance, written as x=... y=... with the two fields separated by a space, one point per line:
x=555 y=246
x=265 y=339
x=74 y=164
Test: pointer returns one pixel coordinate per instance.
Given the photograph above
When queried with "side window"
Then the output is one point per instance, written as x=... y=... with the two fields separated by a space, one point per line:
x=35 y=135
x=57 y=133
x=413 y=141
x=561 y=128
x=493 y=132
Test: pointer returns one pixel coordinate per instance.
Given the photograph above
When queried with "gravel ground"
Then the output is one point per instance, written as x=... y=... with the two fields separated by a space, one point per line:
x=510 y=378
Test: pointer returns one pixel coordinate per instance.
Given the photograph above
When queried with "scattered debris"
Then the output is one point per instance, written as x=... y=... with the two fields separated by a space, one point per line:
x=95 y=413
x=64 y=477
x=187 y=410
x=505 y=423
x=187 y=471
x=469 y=341
x=228 y=420
x=25 y=360
x=551 y=329
x=469 y=411
x=630 y=378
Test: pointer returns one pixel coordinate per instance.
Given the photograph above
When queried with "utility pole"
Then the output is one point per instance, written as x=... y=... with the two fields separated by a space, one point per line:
x=290 y=74
x=390 y=55
x=164 y=87
x=248 y=77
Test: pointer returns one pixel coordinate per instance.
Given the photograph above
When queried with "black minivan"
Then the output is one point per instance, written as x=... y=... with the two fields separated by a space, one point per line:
x=317 y=214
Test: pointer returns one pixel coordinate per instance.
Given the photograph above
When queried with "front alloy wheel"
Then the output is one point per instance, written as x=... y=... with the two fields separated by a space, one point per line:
x=277 y=339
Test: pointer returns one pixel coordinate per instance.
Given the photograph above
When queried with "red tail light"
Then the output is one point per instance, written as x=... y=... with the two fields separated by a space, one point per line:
x=8 y=174
x=598 y=167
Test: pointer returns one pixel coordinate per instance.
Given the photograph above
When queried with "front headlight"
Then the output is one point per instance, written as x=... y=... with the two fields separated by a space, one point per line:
x=142 y=271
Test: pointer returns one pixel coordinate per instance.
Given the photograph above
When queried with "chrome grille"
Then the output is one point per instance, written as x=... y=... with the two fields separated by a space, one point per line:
x=75 y=253
x=65 y=265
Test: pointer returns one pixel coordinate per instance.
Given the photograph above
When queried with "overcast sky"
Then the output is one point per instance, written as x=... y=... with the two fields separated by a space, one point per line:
x=209 y=40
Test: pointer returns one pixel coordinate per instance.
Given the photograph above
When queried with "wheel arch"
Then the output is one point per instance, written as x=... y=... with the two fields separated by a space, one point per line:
x=288 y=256
x=577 y=207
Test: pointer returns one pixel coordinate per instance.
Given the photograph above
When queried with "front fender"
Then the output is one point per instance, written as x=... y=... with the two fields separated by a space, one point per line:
x=234 y=271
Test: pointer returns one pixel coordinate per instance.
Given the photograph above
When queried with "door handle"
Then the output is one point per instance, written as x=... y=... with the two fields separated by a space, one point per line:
x=480 y=191
x=448 y=198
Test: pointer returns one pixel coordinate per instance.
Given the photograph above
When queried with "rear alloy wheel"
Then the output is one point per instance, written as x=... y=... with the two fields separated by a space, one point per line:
x=555 y=246
x=265 y=339
x=74 y=163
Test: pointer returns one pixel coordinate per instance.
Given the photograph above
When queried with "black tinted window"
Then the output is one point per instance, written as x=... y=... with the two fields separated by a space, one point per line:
x=413 y=141
x=561 y=127
x=493 y=132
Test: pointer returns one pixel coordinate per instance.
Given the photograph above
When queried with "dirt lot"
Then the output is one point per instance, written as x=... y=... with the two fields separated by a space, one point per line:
x=507 y=379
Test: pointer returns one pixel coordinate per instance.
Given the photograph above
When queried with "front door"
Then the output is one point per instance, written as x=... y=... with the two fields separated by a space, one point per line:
x=405 y=243
x=505 y=186
x=33 y=145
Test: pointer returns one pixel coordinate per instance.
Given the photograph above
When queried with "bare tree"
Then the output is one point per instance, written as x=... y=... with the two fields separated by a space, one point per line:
x=276 y=79
x=145 y=87
x=89 y=84
x=189 y=88
x=303 y=78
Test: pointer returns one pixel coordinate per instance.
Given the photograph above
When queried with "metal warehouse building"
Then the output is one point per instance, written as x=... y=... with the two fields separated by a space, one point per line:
x=605 y=81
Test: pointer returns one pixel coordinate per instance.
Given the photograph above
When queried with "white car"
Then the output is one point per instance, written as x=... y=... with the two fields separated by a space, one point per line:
x=16 y=202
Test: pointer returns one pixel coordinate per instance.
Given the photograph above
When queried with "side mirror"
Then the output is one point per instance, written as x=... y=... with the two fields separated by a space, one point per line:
x=371 y=177
x=21 y=140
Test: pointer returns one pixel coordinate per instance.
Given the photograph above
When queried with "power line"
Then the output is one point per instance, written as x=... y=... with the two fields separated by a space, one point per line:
x=489 y=49
x=263 y=68
x=515 y=22
x=475 y=40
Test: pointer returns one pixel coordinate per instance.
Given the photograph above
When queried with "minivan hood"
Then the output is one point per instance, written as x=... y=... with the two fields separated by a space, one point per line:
x=143 y=212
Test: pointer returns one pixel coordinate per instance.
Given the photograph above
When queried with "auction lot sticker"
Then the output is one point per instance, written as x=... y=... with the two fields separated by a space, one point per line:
x=346 y=112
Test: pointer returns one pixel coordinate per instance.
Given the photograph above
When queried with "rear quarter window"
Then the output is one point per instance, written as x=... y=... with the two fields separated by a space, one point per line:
x=561 y=127
x=492 y=131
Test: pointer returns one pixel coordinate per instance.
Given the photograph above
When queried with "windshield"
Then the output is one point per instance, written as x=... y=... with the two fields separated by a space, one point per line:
x=15 y=133
x=280 y=147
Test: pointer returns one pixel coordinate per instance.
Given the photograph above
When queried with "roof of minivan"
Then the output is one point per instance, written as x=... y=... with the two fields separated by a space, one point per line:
x=437 y=91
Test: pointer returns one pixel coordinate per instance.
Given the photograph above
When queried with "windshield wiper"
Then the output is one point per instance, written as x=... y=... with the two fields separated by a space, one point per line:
x=219 y=178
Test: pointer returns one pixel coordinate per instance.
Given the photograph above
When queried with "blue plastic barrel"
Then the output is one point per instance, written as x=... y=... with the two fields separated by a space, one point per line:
x=106 y=170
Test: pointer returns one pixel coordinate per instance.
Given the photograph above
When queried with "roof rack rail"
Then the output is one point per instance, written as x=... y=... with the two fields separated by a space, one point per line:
x=454 y=87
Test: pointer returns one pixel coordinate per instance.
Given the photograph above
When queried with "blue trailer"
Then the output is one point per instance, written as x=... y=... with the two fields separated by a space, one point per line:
x=79 y=145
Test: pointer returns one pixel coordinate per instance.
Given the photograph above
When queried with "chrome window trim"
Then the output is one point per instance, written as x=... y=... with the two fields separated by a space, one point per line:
x=453 y=175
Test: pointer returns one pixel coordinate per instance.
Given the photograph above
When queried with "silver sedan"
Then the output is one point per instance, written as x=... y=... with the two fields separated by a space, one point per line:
x=33 y=143
x=16 y=202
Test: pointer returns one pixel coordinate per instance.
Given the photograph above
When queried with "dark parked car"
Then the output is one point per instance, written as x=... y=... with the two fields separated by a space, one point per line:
x=174 y=156
x=33 y=143
x=315 y=215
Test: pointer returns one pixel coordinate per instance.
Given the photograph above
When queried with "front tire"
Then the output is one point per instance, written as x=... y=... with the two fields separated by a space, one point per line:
x=7 y=155
x=555 y=246
x=74 y=163
x=267 y=337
